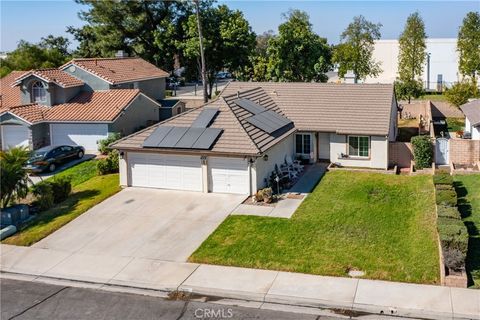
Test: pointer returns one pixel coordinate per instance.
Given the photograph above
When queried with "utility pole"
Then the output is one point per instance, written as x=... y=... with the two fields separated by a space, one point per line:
x=202 y=55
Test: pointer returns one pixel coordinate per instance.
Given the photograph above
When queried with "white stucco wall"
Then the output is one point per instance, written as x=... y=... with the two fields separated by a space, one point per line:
x=443 y=60
x=276 y=155
x=475 y=131
x=323 y=145
x=123 y=170
x=378 y=152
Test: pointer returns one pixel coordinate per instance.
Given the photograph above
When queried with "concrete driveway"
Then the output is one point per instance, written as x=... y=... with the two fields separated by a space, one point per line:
x=145 y=223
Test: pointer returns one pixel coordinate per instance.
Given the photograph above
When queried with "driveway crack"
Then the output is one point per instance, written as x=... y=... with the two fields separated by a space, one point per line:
x=182 y=313
x=38 y=303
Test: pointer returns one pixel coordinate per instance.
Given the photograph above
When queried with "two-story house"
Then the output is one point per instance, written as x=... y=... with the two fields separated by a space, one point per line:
x=80 y=102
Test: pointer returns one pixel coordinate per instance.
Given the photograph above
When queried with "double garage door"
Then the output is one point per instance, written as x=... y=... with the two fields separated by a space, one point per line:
x=225 y=175
x=86 y=135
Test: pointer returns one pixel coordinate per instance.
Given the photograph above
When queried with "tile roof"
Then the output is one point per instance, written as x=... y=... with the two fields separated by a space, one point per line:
x=341 y=108
x=10 y=96
x=329 y=107
x=30 y=112
x=472 y=111
x=101 y=106
x=238 y=137
x=57 y=76
x=118 y=70
x=93 y=106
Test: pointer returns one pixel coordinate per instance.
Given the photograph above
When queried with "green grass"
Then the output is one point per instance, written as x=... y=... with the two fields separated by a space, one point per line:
x=433 y=97
x=84 y=196
x=80 y=172
x=468 y=189
x=455 y=124
x=381 y=224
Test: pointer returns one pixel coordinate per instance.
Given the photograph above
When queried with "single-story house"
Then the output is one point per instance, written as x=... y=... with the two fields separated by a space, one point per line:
x=472 y=118
x=232 y=144
x=79 y=103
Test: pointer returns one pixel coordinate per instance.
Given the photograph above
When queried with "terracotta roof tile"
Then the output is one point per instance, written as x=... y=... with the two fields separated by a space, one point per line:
x=10 y=96
x=30 y=112
x=56 y=76
x=93 y=106
x=118 y=70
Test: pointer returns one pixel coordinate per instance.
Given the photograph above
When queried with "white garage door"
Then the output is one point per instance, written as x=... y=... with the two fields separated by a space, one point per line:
x=14 y=136
x=228 y=175
x=165 y=171
x=85 y=134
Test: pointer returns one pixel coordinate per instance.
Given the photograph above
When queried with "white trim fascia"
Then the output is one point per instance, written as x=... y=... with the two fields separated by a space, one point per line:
x=16 y=116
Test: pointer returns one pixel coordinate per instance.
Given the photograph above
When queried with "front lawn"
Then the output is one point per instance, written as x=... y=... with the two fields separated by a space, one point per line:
x=84 y=196
x=381 y=224
x=80 y=172
x=455 y=124
x=468 y=189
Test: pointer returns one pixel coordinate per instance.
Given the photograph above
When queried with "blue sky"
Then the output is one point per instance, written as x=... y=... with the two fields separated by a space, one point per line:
x=30 y=20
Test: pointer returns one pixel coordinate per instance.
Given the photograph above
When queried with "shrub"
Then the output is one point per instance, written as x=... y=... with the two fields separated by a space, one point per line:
x=44 y=195
x=13 y=176
x=422 y=151
x=453 y=234
x=454 y=259
x=448 y=212
x=460 y=92
x=103 y=145
x=446 y=197
x=444 y=187
x=442 y=177
x=109 y=164
x=61 y=187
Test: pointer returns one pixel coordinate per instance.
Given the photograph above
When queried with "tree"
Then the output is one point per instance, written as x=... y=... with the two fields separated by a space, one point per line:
x=468 y=45
x=13 y=177
x=227 y=38
x=51 y=52
x=356 y=49
x=257 y=70
x=411 y=58
x=202 y=51
x=297 y=53
x=144 y=28
x=460 y=92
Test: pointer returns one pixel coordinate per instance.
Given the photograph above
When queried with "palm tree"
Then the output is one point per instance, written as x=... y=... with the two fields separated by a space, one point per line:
x=13 y=177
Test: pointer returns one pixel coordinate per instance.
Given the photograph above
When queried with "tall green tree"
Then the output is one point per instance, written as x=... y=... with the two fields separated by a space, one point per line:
x=50 y=52
x=258 y=68
x=356 y=48
x=144 y=28
x=468 y=45
x=297 y=53
x=411 y=58
x=228 y=41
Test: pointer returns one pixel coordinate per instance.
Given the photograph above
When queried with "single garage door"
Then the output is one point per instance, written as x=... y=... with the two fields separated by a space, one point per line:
x=228 y=175
x=165 y=171
x=86 y=134
x=15 y=136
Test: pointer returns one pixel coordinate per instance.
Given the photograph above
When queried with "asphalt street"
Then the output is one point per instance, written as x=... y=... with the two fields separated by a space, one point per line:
x=35 y=300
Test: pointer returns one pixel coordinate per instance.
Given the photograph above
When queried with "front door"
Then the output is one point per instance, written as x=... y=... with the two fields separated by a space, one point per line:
x=303 y=146
x=441 y=151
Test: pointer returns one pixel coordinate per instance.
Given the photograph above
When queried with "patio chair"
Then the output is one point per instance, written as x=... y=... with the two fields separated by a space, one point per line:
x=295 y=164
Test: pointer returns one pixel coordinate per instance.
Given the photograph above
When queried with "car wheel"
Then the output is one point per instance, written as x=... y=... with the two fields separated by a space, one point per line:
x=80 y=154
x=52 y=167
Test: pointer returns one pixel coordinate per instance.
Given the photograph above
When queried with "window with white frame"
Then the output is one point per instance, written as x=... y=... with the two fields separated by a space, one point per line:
x=39 y=93
x=303 y=143
x=358 y=146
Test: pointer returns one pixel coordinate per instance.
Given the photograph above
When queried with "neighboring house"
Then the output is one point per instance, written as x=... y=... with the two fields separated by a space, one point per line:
x=232 y=144
x=79 y=103
x=472 y=118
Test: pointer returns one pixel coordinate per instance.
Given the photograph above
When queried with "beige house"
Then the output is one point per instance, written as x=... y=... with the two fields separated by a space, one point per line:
x=255 y=126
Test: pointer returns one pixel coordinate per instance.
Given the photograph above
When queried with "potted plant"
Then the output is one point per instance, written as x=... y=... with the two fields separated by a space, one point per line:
x=267 y=194
x=459 y=134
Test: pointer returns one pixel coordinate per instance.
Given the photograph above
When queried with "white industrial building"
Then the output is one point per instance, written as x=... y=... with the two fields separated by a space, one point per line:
x=441 y=67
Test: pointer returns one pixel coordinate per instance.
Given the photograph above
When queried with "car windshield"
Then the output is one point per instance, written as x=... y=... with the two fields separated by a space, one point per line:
x=38 y=154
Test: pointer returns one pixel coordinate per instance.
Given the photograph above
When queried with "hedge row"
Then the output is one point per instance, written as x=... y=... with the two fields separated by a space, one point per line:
x=451 y=229
x=52 y=191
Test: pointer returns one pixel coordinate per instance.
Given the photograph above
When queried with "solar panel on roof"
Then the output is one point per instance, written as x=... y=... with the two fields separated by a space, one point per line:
x=260 y=123
x=207 y=138
x=205 y=117
x=189 y=138
x=173 y=137
x=250 y=106
x=157 y=136
x=278 y=117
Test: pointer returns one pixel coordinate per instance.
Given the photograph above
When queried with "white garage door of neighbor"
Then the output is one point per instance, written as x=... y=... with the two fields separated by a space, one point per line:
x=14 y=136
x=228 y=175
x=165 y=171
x=84 y=134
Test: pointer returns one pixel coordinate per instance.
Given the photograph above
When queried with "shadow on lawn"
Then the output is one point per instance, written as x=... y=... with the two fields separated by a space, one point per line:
x=473 y=254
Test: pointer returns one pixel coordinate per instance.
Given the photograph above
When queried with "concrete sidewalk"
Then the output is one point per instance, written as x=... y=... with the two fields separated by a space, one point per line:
x=253 y=285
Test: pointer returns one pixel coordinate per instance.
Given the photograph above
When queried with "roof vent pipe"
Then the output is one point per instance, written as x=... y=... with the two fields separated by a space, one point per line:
x=238 y=94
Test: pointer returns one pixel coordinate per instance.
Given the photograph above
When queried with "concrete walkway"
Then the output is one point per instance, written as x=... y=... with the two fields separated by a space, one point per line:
x=254 y=285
